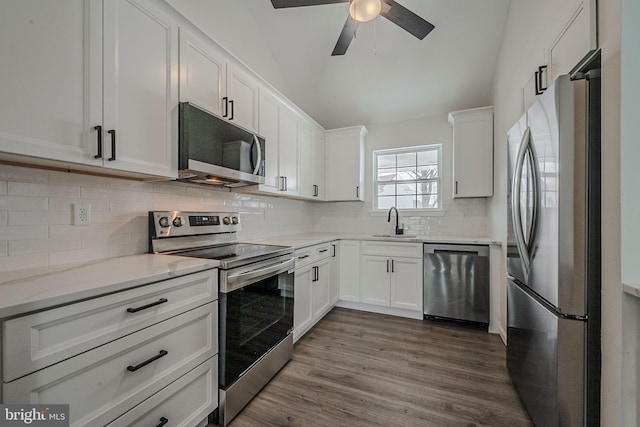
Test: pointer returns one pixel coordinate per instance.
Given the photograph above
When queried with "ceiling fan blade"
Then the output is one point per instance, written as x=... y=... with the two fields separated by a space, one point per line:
x=347 y=34
x=278 y=4
x=405 y=19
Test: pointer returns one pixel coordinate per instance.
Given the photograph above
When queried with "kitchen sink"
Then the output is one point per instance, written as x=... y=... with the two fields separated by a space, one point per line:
x=399 y=236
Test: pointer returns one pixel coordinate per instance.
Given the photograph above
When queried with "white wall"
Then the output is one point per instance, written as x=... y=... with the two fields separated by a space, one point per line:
x=531 y=28
x=36 y=215
x=461 y=217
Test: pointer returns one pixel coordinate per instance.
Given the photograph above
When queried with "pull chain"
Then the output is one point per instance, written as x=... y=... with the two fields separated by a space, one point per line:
x=375 y=48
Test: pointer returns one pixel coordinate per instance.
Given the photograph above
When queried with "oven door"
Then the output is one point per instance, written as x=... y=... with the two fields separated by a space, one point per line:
x=256 y=313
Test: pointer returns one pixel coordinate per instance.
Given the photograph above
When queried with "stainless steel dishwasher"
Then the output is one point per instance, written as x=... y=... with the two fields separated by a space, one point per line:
x=456 y=282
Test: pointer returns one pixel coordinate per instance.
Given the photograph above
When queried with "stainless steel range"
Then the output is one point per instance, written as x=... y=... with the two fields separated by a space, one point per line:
x=255 y=300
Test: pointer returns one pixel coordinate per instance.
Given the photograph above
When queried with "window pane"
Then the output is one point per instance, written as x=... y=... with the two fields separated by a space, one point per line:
x=426 y=201
x=429 y=157
x=406 y=188
x=406 y=174
x=385 y=202
x=387 y=161
x=430 y=187
x=385 y=175
x=426 y=172
x=386 y=190
x=406 y=159
x=406 y=202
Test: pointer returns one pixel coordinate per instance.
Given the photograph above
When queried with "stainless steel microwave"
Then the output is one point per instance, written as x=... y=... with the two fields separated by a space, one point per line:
x=215 y=151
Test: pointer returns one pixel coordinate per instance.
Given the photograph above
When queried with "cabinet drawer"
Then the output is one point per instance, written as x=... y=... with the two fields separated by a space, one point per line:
x=105 y=382
x=304 y=256
x=392 y=249
x=322 y=251
x=42 y=339
x=182 y=403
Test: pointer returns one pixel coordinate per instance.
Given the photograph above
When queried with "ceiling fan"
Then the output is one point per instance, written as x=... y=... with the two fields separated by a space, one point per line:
x=364 y=11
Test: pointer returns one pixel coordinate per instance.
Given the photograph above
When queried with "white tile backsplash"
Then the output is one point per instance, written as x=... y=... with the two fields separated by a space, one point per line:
x=36 y=215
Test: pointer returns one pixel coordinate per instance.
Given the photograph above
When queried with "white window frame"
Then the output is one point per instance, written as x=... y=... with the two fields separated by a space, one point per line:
x=403 y=150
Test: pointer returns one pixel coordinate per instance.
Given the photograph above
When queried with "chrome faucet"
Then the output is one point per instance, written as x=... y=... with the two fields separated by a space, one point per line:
x=398 y=229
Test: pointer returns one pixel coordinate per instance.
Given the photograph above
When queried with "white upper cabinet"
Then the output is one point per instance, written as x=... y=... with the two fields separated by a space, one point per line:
x=211 y=80
x=203 y=72
x=278 y=124
x=140 y=86
x=472 y=152
x=46 y=83
x=242 y=92
x=578 y=37
x=312 y=162
x=66 y=56
x=345 y=164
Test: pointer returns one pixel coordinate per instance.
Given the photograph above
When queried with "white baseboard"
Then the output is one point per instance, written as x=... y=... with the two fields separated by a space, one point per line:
x=391 y=311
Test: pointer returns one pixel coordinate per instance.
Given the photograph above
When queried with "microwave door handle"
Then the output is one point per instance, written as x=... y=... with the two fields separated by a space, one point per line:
x=259 y=162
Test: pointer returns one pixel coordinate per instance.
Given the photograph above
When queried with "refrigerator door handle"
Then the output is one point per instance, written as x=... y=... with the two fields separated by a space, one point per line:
x=535 y=220
x=515 y=200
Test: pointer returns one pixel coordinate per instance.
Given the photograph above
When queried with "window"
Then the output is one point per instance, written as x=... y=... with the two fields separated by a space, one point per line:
x=407 y=178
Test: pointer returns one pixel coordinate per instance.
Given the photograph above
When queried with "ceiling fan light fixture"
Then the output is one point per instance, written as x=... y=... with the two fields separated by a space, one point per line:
x=364 y=10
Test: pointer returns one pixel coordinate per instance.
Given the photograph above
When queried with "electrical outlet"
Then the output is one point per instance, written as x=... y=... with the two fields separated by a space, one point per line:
x=81 y=214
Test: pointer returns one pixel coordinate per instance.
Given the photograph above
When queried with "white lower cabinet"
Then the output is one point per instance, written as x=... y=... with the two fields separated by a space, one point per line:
x=122 y=368
x=334 y=281
x=349 y=270
x=382 y=274
x=182 y=403
x=312 y=288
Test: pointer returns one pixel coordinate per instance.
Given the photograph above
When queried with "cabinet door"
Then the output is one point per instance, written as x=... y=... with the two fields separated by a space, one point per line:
x=349 y=270
x=345 y=164
x=302 y=308
x=203 y=72
x=335 y=272
x=321 y=292
x=242 y=90
x=318 y=164
x=473 y=153
x=268 y=127
x=374 y=280
x=406 y=283
x=288 y=148
x=306 y=159
x=140 y=88
x=51 y=81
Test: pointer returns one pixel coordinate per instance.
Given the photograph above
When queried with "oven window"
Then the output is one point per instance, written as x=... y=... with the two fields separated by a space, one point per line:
x=253 y=319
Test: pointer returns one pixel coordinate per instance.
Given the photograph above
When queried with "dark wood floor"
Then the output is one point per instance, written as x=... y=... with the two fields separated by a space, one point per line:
x=364 y=369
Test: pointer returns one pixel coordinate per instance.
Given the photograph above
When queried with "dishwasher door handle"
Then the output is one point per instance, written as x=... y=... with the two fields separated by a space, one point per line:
x=480 y=250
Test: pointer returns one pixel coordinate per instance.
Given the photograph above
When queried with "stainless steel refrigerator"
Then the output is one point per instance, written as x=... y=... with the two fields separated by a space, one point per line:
x=553 y=254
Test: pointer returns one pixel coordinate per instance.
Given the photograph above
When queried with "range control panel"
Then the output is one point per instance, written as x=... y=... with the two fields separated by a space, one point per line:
x=180 y=223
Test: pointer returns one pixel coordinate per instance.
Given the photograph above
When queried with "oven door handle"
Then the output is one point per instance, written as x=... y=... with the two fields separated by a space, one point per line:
x=239 y=280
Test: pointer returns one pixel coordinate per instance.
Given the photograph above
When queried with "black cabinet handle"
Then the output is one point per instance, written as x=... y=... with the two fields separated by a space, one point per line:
x=387 y=266
x=226 y=106
x=333 y=255
x=456 y=190
x=538 y=77
x=144 y=307
x=113 y=145
x=315 y=191
x=163 y=421
x=303 y=257
x=357 y=192
x=162 y=353
x=286 y=184
x=231 y=103
x=323 y=251
x=392 y=267
x=99 y=130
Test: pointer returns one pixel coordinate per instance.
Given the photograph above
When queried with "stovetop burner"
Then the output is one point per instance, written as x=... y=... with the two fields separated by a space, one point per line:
x=236 y=254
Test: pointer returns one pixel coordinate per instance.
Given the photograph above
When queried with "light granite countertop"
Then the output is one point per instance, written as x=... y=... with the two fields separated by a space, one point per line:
x=309 y=239
x=27 y=290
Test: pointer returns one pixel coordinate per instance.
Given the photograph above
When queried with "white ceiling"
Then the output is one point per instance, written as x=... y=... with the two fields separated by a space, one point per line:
x=387 y=74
